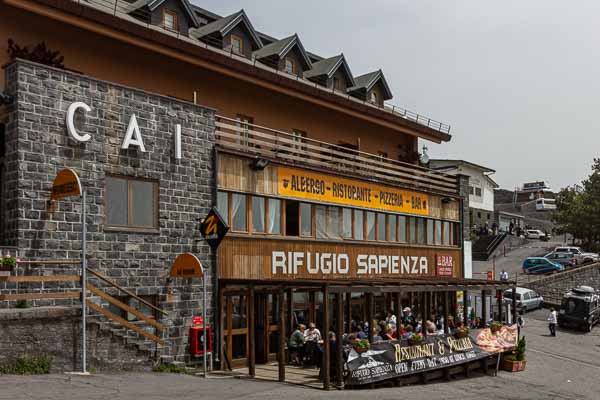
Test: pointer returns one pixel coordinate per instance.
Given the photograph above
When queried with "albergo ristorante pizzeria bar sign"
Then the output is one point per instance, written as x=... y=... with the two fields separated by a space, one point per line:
x=290 y=223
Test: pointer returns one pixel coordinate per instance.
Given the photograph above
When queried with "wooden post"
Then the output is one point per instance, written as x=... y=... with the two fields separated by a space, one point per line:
x=465 y=308
x=484 y=308
x=290 y=310
x=499 y=301
x=221 y=327
x=281 y=352
x=446 y=325
x=369 y=301
x=514 y=304
x=398 y=306
x=313 y=305
x=325 y=365
x=339 y=354
x=410 y=301
x=251 y=333
x=349 y=311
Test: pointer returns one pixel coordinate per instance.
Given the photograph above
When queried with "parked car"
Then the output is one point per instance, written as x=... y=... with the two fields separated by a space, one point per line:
x=536 y=234
x=527 y=299
x=582 y=257
x=541 y=265
x=580 y=308
x=567 y=260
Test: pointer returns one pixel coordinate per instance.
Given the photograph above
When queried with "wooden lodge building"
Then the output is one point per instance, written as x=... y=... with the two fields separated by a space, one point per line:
x=331 y=217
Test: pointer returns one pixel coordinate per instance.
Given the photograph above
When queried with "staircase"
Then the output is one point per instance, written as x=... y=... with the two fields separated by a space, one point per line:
x=486 y=245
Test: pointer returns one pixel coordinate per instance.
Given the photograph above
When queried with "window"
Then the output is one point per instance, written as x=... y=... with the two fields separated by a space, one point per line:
x=306 y=219
x=321 y=221
x=430 y=223
x=478 y=192
x=359 y=228
x=333 y=222
x=170 y=20
x=370 y=225
x=438 y=232
x=392 y=219
x=347 y=223
x=471 y=190
x=381 y=227
x=274 y=220
x=292 y=214
x=374 y=99
x=239 y=212
x=223 y=205
x=412 y=229
x=237 y=45
x=421 y=230
x=338 y=84
x=478 y=214
x=258 y=214
x=488 y=216
x=446 y=235
x=131 y=203
x=290 y=66
x=402 y=228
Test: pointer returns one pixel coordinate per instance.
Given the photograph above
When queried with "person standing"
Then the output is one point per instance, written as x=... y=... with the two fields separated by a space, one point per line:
x=552 y=321
x=520 y=323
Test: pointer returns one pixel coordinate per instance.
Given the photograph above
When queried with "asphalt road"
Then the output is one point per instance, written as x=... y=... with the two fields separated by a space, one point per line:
x=562 y=367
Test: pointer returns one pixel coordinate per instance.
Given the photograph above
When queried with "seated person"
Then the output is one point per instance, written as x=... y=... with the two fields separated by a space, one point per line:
x=376 y=336
x=360 y=333
x=312 y=334
x=409 y=332
x=296 y=345
x=389 y=333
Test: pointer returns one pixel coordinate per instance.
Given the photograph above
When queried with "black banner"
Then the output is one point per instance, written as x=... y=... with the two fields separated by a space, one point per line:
x=396 y=358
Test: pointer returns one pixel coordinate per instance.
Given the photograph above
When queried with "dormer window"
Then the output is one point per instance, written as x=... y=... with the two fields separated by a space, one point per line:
x=290 y=66
x=374 y=98
x=170 y=20
x=237 y=46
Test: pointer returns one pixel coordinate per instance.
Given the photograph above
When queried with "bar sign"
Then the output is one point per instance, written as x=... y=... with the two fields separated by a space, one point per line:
x=443 y=265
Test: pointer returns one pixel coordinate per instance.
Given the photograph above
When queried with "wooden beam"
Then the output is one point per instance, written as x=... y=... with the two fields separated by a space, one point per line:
x=221 y=315
x=40 y=296
x=398 y=306
x=49 y=278
x=446 y=325
x=252 y=333
x=465 y=308
x=369 y=304
x=312 y=306
x=123 y=322
x=125 y=307
x=325 y=367
x=349 y=311
x=290 y=310
x=514 y=303
x=281 y=351
x=484 y=309
x=339 y=354
x=499 y=301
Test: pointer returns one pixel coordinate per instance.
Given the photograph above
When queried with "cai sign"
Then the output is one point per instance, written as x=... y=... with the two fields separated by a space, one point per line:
x=302 y=184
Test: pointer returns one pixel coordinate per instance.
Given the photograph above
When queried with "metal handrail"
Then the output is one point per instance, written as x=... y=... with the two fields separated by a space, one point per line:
x=119 y=8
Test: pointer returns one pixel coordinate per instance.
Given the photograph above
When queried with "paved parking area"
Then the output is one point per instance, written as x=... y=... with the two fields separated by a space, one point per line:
x=564 y=367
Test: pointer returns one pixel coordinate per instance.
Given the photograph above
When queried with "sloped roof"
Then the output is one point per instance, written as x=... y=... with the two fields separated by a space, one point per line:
x=226 y=24
x=154 y=4
x=367 y=81
x=281 y=48
x=329 y=66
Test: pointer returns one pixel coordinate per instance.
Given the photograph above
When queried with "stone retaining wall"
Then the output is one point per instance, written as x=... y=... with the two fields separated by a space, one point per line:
x=553 y=287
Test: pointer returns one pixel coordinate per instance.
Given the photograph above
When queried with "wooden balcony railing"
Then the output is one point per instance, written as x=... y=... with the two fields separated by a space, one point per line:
x=292 y=148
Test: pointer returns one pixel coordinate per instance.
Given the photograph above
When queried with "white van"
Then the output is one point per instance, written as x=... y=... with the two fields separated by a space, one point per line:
x=527 y=299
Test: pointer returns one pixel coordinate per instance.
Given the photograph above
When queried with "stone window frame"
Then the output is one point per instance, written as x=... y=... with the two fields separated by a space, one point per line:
x=128 y=227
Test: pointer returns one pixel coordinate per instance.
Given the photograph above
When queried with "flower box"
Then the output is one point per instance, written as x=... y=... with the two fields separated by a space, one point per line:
x=510 y=365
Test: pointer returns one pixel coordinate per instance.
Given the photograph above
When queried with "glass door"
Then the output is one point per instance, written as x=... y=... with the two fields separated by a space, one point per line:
x=236 y=329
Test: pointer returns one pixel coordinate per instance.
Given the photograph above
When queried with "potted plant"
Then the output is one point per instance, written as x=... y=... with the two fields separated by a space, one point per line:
x=7 y=263
x=515 y=361
x=415 y=339
x=462 y=333
x=495 y=327
x=361 y=345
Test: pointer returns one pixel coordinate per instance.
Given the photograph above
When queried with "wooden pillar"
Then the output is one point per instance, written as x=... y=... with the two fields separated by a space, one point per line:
x=398 y=306
x=290 y=310
x=326 y=345
x=369 y=304
x=484 y=308
x=445 y=302
x=221 y=316
x=339 y=350
x=313 y=306
x=514 y=304
x=410 y=301
x=281 y=351
x=251 y=333
x=465 y=308
x=349 y=311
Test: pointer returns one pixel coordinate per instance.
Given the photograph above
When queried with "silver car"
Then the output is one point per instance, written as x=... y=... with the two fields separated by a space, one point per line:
x=527 y=299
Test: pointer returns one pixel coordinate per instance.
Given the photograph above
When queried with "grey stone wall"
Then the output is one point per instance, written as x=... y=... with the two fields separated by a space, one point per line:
x=463 y=191
x=39 y=146
x=55 y=332
x=552 y=288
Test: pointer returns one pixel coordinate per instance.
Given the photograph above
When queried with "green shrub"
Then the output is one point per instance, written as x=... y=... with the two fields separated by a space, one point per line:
x=27 y=365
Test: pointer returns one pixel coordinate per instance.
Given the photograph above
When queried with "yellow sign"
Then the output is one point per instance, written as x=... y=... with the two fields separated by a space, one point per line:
x=65 y=184
x=308 y=185
x=186 y=265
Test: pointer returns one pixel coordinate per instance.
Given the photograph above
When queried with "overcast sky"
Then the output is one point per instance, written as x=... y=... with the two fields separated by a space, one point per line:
x=517 y=80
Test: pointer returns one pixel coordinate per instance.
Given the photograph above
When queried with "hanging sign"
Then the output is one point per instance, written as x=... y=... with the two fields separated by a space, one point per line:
x=186 y=265
x=65 y=184
x=444 y=265
x=303 y=184
x=213 y=228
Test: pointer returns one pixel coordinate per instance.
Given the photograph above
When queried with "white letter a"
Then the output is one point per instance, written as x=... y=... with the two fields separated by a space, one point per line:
x=133 y=135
